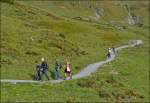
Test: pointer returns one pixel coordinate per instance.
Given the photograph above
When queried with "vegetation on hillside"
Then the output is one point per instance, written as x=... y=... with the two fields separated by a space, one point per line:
x=82 y=32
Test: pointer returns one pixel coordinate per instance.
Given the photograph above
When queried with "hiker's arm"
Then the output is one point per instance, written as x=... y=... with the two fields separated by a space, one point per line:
x=47 y=66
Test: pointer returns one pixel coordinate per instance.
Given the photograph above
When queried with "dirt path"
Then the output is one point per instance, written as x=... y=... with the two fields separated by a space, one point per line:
x=91 y=68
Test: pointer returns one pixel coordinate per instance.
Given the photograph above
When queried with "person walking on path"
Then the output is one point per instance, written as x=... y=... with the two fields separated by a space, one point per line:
x=114 y=51
x=68 y=70
x=109 y=53
x=57 y=70
x=44 y=69
x=110 y=50
x=38 y=72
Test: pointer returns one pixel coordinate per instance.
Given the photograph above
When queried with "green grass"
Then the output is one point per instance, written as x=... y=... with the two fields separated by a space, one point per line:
x=53 y=38
x=57 y=93
x=31 y=30
x=124 y=86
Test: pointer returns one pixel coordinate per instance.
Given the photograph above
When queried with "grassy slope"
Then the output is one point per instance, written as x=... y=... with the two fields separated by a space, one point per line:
x=53 y=37
x=126 y=86
x=32 y=22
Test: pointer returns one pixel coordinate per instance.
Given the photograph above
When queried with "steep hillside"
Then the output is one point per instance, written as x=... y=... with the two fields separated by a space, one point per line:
x=29 y=33
x=78 y=30
x=99 y=11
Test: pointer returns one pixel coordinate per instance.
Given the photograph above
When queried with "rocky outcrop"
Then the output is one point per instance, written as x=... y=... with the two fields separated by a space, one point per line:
x=132 y=19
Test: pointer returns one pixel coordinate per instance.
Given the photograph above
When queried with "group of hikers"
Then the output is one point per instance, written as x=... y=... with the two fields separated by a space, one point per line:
x=42 y=68
x=110 y=52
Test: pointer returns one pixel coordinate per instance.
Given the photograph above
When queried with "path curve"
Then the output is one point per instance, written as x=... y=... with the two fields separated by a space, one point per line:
x=91 y=68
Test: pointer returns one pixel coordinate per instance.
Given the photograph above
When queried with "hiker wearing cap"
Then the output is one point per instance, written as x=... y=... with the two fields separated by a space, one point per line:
x=57 y=70
x=68 y=70
x=44 y=69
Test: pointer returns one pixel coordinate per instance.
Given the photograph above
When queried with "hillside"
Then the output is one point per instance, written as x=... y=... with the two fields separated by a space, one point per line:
x=80 y=31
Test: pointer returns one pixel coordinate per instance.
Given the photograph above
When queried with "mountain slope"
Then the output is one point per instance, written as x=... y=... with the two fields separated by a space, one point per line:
x=82 y=32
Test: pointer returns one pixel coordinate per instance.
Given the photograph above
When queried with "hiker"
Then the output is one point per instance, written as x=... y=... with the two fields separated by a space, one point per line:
x=68 y=70
x=109 y=50
x=44 y=69
x=38 y=72
x=109 y=53
x=114 y=51
x=57 y=70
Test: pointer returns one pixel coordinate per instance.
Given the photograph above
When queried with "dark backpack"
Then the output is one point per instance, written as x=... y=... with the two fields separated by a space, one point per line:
x=44 y=66
x=38 y=66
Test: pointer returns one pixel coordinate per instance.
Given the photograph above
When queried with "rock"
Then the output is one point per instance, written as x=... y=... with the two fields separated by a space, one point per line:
x=133 y=20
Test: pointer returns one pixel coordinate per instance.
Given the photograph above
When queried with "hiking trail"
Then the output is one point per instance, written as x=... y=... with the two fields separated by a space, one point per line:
x=91 y=68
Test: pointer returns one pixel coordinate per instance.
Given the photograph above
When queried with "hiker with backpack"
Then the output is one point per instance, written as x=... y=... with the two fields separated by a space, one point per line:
x=38 y=72
x=57 y=70
x=44 y=69
x=68 y=70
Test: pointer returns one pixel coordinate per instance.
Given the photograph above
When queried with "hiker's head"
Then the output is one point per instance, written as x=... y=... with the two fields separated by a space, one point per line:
x=42 y=59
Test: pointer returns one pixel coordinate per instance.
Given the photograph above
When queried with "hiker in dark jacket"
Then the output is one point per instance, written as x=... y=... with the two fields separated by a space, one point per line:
x=108 y=55
x=38 y=72
x=114 y=51
x=57 y=70
x=44 y=69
